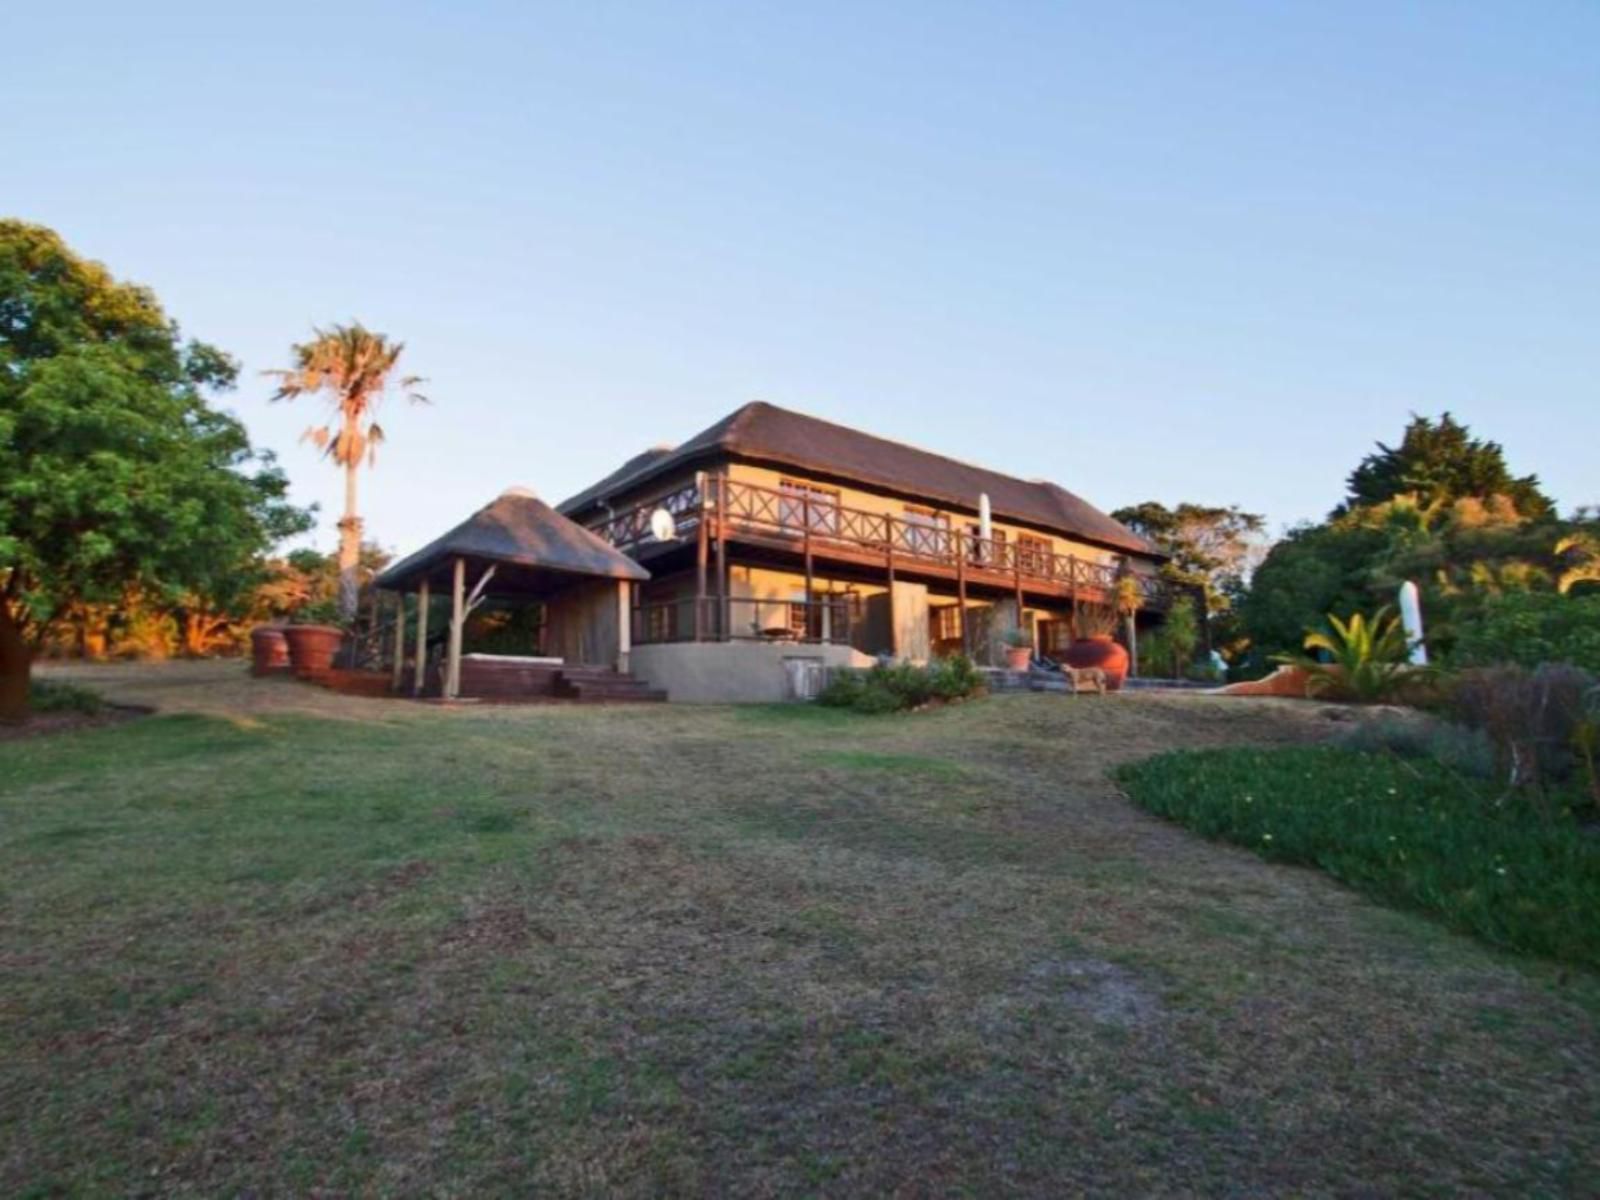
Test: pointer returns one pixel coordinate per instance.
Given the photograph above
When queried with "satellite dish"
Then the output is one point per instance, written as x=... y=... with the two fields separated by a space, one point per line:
x=663 y=525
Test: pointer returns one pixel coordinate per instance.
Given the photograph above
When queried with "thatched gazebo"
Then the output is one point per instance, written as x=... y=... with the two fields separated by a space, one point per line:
x=518 y=547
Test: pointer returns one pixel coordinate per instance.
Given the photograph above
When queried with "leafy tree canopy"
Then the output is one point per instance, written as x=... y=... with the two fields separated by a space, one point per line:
x=115 y=473
x=1212 y=547
x=1441 y=462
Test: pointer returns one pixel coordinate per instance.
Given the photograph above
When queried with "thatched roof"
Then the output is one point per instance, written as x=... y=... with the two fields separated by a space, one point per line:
x=519 y=530
x=765 y=433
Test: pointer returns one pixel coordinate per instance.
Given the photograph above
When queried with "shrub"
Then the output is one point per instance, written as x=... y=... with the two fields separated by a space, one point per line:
x=49 y=696
x=1168 y=650
x=896 y=686
x=1411 y=833
x=1534 y=719
x=955 y=677
x=1530 y=628
x=1455 y=747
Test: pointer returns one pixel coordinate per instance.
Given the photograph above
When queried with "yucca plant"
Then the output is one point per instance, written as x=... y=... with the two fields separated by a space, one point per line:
x=1367 y=658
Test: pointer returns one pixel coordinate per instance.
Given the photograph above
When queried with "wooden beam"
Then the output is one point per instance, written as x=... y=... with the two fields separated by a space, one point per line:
x=420 y=678
x=701 y=557
x=458 y=619
x=805 y=517
x=1072 y=594
x=624 y=624
x=961 y=601
x=725 y=603
x=1016 y=560
x=894 y=622
x=398 y=678
x=477 y=597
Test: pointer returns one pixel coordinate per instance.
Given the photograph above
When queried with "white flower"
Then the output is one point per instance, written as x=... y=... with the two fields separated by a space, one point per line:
x=1266 y=837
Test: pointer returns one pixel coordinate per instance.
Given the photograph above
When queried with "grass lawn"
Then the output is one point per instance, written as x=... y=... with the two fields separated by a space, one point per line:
x=278 y=941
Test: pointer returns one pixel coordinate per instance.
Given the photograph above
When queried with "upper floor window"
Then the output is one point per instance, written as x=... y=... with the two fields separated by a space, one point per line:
x=924 y=531
x=1033 y=553
x=804 y=503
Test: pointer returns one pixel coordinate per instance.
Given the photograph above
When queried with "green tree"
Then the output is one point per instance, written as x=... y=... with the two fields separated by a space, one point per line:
x=115 y=473
x=352 y=367
x=1440 y=461
x=1213 y=548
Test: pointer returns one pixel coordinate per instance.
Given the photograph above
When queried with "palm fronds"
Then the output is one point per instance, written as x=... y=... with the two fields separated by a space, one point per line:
x=1363 y=658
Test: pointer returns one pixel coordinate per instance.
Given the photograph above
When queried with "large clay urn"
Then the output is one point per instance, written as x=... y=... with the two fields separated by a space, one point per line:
x=269 y=652
x=1100 y=651
x=312 y=648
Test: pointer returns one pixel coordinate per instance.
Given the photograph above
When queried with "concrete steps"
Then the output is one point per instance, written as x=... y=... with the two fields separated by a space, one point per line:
x=508 y=682
x=594 y=685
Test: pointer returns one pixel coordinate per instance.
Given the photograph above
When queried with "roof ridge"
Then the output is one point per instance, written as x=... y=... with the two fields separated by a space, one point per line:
x=949 y=458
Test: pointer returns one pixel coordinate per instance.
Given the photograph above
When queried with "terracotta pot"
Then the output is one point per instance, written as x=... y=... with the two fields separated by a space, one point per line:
x=1018 y=658
x=312 y=648
x=269 y=652
x=1100 y=652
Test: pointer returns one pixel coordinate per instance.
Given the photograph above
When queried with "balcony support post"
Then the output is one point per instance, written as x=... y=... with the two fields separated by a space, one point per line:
x=702 y=544
x=888 y=562
x=1072 y=590
x=961 y=601
x=811 y=595
x=724 y=603
x=1016 y=559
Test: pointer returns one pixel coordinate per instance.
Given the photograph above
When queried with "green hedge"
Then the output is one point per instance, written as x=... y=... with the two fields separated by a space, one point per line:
x=1412 y=833
x=893 y=687
x=1530 y=628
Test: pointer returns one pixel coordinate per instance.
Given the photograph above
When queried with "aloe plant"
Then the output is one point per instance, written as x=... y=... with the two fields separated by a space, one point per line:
x=1367 y=658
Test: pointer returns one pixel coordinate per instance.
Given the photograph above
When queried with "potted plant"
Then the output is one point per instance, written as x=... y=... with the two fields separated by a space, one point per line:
x=269 y=650
x=313 y=640
x=1094 y=624
x=1019 y=649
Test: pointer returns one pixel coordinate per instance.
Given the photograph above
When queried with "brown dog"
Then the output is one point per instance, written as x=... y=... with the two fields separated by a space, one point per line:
x=1084 y=678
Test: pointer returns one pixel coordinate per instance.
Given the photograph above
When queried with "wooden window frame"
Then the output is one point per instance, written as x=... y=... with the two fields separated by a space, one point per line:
x=824 y=509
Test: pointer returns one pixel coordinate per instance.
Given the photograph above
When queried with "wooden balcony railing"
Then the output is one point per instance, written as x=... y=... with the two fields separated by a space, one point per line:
x=803 y=519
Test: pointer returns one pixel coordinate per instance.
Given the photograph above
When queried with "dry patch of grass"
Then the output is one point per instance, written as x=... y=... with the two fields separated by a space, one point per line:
x=725 y=951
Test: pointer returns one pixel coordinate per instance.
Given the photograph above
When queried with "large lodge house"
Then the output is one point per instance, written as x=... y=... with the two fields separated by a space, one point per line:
x=739 y=564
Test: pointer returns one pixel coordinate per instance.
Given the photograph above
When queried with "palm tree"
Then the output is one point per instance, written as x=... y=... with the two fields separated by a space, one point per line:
x=1582 y=552
x=353 y=366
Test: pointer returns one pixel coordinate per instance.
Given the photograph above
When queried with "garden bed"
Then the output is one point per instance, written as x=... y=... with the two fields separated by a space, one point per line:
x=1519 y=873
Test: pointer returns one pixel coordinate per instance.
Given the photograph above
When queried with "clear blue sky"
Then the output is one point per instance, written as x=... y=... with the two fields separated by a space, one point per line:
x=1171 y=251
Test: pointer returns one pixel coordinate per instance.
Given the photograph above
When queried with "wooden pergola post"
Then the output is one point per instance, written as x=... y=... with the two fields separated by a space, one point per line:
x=398 y=678
x=420 y=679
x=458 y=618
x=624 y=624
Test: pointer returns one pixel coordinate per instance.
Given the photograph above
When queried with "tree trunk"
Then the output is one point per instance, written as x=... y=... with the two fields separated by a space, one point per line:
x=16 y=666
x=349 y=550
